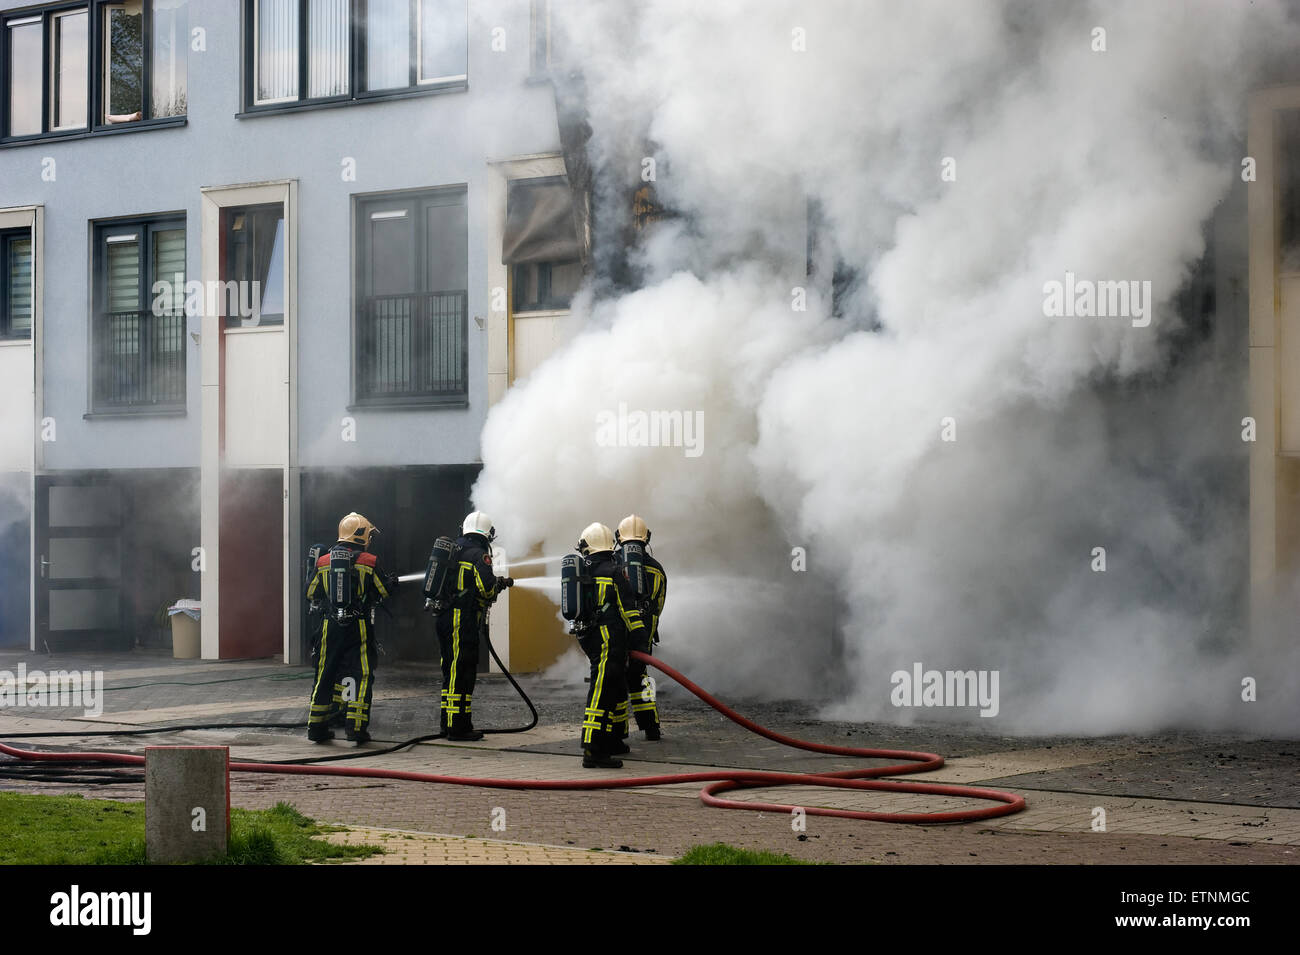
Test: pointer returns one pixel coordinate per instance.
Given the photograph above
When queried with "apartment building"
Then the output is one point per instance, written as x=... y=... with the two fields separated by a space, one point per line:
x=264 y=263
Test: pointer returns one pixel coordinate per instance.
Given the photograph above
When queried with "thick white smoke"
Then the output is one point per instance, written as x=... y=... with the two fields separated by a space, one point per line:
x=825 y=433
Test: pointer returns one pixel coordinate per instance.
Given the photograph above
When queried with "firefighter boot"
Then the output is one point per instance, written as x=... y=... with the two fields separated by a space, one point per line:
x=592 y=760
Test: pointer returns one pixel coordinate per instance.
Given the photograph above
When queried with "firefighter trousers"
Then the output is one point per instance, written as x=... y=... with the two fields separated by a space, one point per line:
x=640 y=690
x=606 y=648
x=458 y=638
x=339 y=704
x=346 y=660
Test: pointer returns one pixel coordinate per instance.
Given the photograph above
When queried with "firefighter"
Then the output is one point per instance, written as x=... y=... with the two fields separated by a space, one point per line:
x=315 y=618
x=604 y=637
x=650 y=607
x=350 y=582
x=471 y=588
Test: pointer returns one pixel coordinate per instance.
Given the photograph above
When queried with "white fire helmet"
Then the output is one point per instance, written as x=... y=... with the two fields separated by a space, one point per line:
x=632 y=528
x=596 y=539
x=479 y=523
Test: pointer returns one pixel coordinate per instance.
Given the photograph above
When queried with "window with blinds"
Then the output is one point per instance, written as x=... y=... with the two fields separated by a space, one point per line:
x=313 y=50
x=138 y=323
x=16 y=277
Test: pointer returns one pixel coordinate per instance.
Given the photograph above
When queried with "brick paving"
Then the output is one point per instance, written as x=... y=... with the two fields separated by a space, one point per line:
x=403 y=847
x=1175 y=798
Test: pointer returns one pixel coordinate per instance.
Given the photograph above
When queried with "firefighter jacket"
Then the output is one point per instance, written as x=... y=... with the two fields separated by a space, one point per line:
x=614 y=601
x=652 y=605
x=473 y=584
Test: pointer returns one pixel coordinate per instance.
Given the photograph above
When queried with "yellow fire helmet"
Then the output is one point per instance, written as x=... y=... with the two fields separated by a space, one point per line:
x=596 y=539
x=355 y=529
x=632 y=528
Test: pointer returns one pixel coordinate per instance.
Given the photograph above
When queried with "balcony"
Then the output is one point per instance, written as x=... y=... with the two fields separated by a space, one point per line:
x=412 y=349
x=139 y=362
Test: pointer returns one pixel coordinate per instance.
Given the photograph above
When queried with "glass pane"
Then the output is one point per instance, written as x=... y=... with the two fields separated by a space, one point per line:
x=94 y=505
x=272 y=310
x=171 y=30
x=1288 y=155
x=254 y=262
x=327 y=41
x=443 y=39
x=123 y=276
x=447 y=248
x=19 y=286
x=388 y=44
x=169 y=267
x=85 y=609
x=392 y=256
x=25 y=78
x=76 y=558
x=124 y=62
x=277 y=50
x=68 y=71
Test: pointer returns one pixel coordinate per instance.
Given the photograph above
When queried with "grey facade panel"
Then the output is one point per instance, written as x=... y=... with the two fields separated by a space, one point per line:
x=411 y=143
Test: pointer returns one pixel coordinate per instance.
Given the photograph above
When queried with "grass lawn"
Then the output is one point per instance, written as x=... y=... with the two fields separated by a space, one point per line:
x=72 y=830
x=719 y=853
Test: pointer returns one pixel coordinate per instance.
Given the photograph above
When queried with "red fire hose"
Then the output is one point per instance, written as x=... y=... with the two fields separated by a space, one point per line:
x=717 y=782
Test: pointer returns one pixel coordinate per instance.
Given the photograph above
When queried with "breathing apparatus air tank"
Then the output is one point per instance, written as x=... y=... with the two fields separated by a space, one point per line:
x=340 y=581
x=632 y=557
x=441 y=559
x=573 y=595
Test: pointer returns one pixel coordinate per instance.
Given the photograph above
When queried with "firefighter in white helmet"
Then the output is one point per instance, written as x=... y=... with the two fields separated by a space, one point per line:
x=472 y=587
x=605 y=638
x=350 y=582
x=653 y=590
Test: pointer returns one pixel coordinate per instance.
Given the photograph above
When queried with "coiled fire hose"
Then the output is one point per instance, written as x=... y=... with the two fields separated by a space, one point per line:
x=718 y=781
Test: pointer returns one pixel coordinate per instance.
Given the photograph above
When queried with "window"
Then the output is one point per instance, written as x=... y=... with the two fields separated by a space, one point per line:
x=1287 y=153
x=16 y=283
x=138 y=322
x=25 y=37
x=78 y=68
x=253 y=259
x=823 y=256
x=543 y=51
x=541 y=244
x=317 y=51
x=412 y=255
x=68 y=69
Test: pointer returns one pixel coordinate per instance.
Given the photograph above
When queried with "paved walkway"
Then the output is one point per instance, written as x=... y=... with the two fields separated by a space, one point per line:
x=404 y=847
x=1112 y=800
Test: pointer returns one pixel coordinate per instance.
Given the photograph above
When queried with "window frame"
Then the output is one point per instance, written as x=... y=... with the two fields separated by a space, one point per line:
x=7 y=236
x=95 y=63
x=356 y=63
x=541 y=35
x=363 y=204
x=227 y=213
x=146 y=226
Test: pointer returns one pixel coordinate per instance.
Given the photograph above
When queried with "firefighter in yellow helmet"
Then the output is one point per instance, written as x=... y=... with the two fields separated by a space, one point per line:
x=605 y=638
x=650 y=583
x=351 y=584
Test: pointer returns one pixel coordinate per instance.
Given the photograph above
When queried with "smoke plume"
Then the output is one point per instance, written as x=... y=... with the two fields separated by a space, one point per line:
x=949 y=457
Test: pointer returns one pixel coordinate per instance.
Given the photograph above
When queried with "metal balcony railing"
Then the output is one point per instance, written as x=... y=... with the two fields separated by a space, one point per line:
x=412 y=346
x=139 y=360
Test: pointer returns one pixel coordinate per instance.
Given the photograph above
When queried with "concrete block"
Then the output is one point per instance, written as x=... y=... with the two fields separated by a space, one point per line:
x=187 y=802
